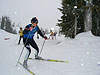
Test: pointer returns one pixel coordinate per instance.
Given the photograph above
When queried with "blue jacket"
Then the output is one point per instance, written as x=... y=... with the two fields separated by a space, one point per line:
x=30 y=31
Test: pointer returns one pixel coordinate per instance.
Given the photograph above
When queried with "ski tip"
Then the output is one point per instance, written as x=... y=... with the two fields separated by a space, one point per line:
x=31 y=72
x=29 y=58
x=67 y=61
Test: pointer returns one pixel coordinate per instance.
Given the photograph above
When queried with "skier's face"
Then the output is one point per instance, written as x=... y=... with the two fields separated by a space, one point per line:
x=34 y=24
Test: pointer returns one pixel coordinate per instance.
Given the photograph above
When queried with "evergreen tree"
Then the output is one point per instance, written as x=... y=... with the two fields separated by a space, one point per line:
x=7 y=25
x=96 y=18
x=3 y=23
x=79 y=16
x=72 y=19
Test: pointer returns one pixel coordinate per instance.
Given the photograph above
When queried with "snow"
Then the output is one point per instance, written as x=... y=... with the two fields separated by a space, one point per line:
x=83 y=54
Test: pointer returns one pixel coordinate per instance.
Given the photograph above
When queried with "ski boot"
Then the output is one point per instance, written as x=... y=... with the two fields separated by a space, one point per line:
x=37 y=57
x=25 y=64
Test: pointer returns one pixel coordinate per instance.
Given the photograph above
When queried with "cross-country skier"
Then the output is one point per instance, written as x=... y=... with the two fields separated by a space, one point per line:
x=21 y=34
x=28 y=40
x=51 y=34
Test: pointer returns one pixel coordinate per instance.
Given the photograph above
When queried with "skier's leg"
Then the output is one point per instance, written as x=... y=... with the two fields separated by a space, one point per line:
x=19 y=40
x=21 y=37
x=28 y=52
x=27 y=56
x=34 y=45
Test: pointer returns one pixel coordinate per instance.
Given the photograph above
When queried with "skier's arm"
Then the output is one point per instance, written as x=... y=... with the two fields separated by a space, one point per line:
x=40 y=33
x=26 y=30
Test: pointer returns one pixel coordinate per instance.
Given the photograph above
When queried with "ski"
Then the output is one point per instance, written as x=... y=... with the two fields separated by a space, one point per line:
x=26 y=68
x=51 y=60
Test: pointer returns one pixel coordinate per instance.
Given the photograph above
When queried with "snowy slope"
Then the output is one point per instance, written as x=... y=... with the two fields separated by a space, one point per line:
x=83 y=54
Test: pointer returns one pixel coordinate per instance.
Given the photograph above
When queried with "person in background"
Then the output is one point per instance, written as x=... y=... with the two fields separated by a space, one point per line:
x=55 y=35
x=28 y=39
x=21 y=34
x=51 y=34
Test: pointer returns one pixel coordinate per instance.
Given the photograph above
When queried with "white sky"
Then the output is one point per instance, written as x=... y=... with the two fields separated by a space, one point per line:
x=21 y=11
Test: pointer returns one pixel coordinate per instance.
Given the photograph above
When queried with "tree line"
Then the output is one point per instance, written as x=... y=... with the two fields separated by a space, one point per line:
x=7 y=25
x=79 y=16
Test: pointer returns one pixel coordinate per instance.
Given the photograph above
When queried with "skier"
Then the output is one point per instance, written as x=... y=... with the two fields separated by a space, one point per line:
x=51 y=34
x=21 y=34
x=28 y=40
x=55 y=35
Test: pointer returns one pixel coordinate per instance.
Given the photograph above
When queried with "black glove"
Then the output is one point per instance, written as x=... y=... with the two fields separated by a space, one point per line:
x=45 y=37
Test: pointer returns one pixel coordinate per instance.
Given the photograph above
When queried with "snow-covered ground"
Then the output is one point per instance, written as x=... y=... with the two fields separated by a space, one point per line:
x=83 y=54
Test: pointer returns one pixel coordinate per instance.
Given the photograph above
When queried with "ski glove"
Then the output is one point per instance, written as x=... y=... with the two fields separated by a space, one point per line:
x=45 y=37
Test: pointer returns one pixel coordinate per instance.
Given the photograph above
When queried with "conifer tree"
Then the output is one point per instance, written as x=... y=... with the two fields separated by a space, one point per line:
x=96 y=17
x=79 y=16
x=3 y=23
x=72 y=19
x=7 y=25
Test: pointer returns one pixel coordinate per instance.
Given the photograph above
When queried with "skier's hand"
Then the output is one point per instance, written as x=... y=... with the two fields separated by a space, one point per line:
x=45 y=37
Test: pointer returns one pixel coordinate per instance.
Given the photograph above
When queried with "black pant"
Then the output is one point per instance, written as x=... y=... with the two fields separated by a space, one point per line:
x=28 y=42
x=20 y=39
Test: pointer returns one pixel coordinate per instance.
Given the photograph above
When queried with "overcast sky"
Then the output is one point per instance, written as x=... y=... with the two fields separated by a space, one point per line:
x=21 y=11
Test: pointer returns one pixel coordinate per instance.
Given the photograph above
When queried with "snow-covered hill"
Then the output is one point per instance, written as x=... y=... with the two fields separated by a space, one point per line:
x=83 y=54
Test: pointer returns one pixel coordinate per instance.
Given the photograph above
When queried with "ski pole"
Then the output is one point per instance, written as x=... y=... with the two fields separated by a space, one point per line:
x=22 y=50
x=16 y=39
x=42 y=47
x=20 y=56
